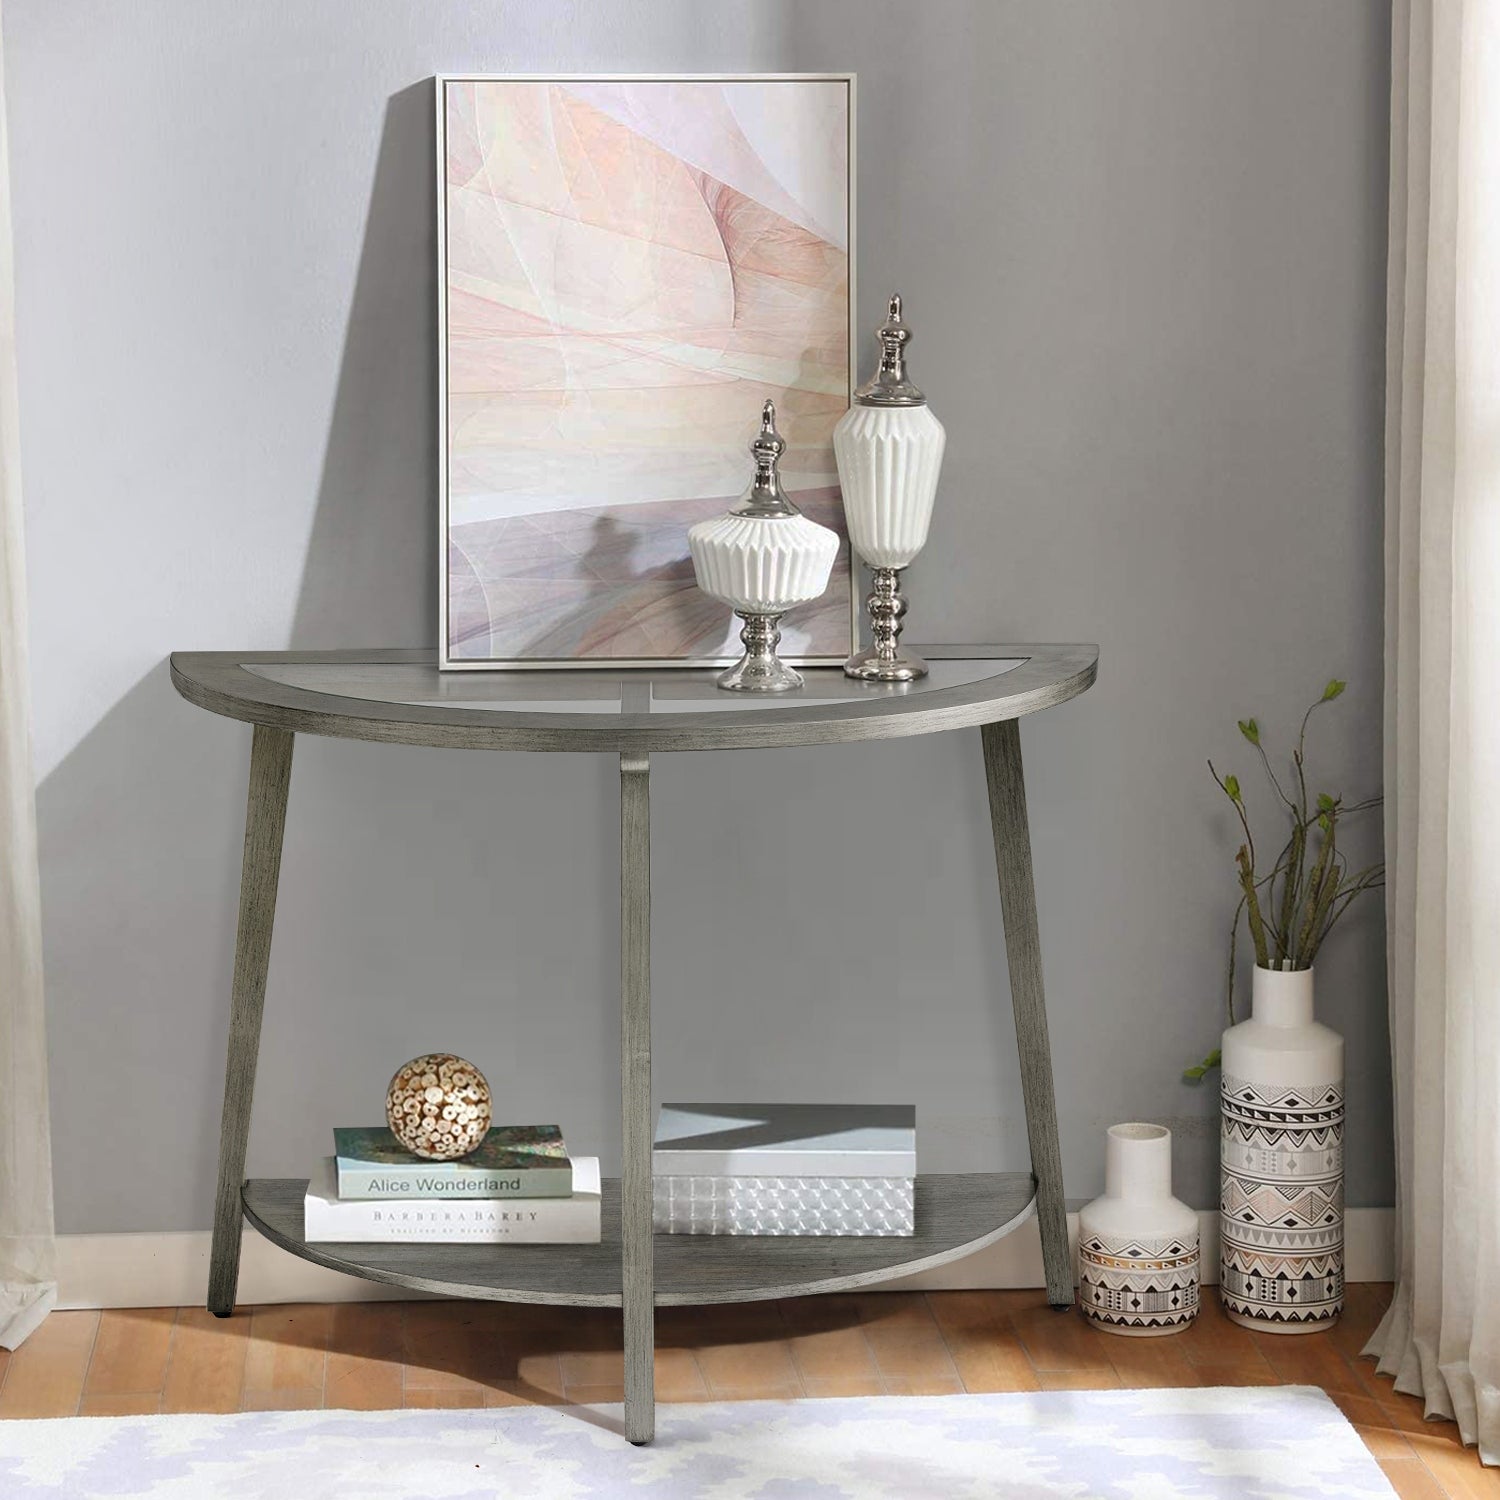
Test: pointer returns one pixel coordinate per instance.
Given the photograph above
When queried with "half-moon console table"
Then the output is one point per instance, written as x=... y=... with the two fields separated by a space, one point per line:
x=401 y=698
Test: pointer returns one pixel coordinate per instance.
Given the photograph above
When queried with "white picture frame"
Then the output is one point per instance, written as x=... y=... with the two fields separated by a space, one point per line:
x=462 y=611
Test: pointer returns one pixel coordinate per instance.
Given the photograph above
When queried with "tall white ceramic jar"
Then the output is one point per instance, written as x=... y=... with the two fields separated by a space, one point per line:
x=1138 y=1254
x=889 y=448
x=1282 y=1162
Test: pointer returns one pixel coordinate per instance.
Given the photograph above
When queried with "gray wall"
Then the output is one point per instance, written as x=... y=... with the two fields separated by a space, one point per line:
x=1142 y=245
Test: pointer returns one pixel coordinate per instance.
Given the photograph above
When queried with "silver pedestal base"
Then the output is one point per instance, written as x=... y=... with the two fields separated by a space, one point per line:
x=752 y=674
x=883 y=660
x=869 y=666
x=760 y=670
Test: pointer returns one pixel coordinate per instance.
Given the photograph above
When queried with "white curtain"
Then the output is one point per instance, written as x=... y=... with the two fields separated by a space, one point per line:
x=28 y=1273
x=1441 y=1338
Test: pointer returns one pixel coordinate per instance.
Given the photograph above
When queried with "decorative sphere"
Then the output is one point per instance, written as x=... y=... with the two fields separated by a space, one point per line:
x=438 y=1106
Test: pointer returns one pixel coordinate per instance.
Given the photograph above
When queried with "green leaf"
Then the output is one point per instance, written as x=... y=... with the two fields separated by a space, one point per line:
x=1194 y=1074
x=1334 y=688
x=1325 y=802
x=1232 y=786
x=1324 y=822
x=1251 y=730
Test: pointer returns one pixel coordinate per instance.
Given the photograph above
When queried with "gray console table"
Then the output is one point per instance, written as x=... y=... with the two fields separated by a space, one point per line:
x=399 y=697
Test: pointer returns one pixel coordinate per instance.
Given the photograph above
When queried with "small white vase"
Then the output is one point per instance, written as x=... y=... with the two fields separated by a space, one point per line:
x=1281 y=1259
x=1138 y=1255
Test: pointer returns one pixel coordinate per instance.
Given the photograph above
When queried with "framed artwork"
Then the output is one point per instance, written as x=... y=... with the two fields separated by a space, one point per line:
x=629 y=268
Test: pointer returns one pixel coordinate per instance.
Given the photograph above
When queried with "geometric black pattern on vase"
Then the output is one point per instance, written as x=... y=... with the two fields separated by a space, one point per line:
x=1281 y=1202
x=1139 y=1284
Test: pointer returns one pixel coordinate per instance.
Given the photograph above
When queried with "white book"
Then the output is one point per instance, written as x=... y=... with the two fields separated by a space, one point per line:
x=489 y=1221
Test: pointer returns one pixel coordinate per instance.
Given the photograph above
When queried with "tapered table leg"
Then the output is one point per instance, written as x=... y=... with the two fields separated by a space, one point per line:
x=637 y=1292
x=265 y=819
x=1023 y=951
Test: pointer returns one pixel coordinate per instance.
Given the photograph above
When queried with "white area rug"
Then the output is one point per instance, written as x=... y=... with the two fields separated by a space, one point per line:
x=1259 y=1443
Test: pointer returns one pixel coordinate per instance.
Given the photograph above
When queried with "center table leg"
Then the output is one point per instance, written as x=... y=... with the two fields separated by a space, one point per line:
x=637 y=1293
x=265 y=820
x=1023 y=952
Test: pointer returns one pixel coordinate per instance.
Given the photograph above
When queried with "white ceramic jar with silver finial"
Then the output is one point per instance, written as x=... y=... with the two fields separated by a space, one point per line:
x=889 y=448
x=762 y=559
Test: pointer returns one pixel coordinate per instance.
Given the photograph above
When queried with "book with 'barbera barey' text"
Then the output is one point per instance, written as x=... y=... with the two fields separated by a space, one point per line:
x=513 y=1161
x=435 y=1221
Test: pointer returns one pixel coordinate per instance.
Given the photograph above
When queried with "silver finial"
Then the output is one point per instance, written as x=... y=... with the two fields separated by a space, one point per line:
x=765 y=499
x=890 y=387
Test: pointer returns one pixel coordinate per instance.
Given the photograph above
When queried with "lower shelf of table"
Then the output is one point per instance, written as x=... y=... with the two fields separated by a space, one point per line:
x=955 y=1214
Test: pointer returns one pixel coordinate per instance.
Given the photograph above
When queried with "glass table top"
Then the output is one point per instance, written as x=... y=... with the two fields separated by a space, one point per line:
x=660 y=691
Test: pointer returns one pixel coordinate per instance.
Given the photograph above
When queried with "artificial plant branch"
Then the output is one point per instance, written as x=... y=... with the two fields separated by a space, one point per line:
x=1252 y=907
x=1291 y=920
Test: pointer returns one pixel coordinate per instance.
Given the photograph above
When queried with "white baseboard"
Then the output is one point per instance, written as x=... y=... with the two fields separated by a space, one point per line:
x=1016 y=1261
x=171 y=1270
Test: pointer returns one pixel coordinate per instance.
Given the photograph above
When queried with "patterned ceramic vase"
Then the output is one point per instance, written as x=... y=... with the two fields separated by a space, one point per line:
x=1138 y=1266
x=1282 y=1158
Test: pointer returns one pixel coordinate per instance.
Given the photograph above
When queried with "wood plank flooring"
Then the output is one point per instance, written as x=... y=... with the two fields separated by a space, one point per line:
x=382 y=1355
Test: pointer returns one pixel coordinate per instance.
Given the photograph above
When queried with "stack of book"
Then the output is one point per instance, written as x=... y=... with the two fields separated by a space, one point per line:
x=520 y=1187
x=813 y=1169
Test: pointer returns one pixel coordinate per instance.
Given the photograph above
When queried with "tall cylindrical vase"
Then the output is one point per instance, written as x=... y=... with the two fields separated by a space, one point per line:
x=1138 y=1265
x=1282 y=1162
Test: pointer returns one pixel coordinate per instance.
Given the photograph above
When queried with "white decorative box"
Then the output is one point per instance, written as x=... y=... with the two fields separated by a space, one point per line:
x=785 y=1205
x=785 y=1169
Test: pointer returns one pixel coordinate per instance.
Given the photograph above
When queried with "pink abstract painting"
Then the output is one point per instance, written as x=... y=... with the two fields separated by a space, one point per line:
x=631 y=267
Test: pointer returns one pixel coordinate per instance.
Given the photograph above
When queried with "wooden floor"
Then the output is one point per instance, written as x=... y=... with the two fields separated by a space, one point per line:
x=379 y=1355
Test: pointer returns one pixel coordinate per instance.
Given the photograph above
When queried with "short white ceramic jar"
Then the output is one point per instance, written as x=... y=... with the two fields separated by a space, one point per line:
x=762 y=559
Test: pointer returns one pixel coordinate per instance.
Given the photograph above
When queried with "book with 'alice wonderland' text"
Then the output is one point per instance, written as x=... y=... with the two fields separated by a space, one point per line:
x=513 y=1161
